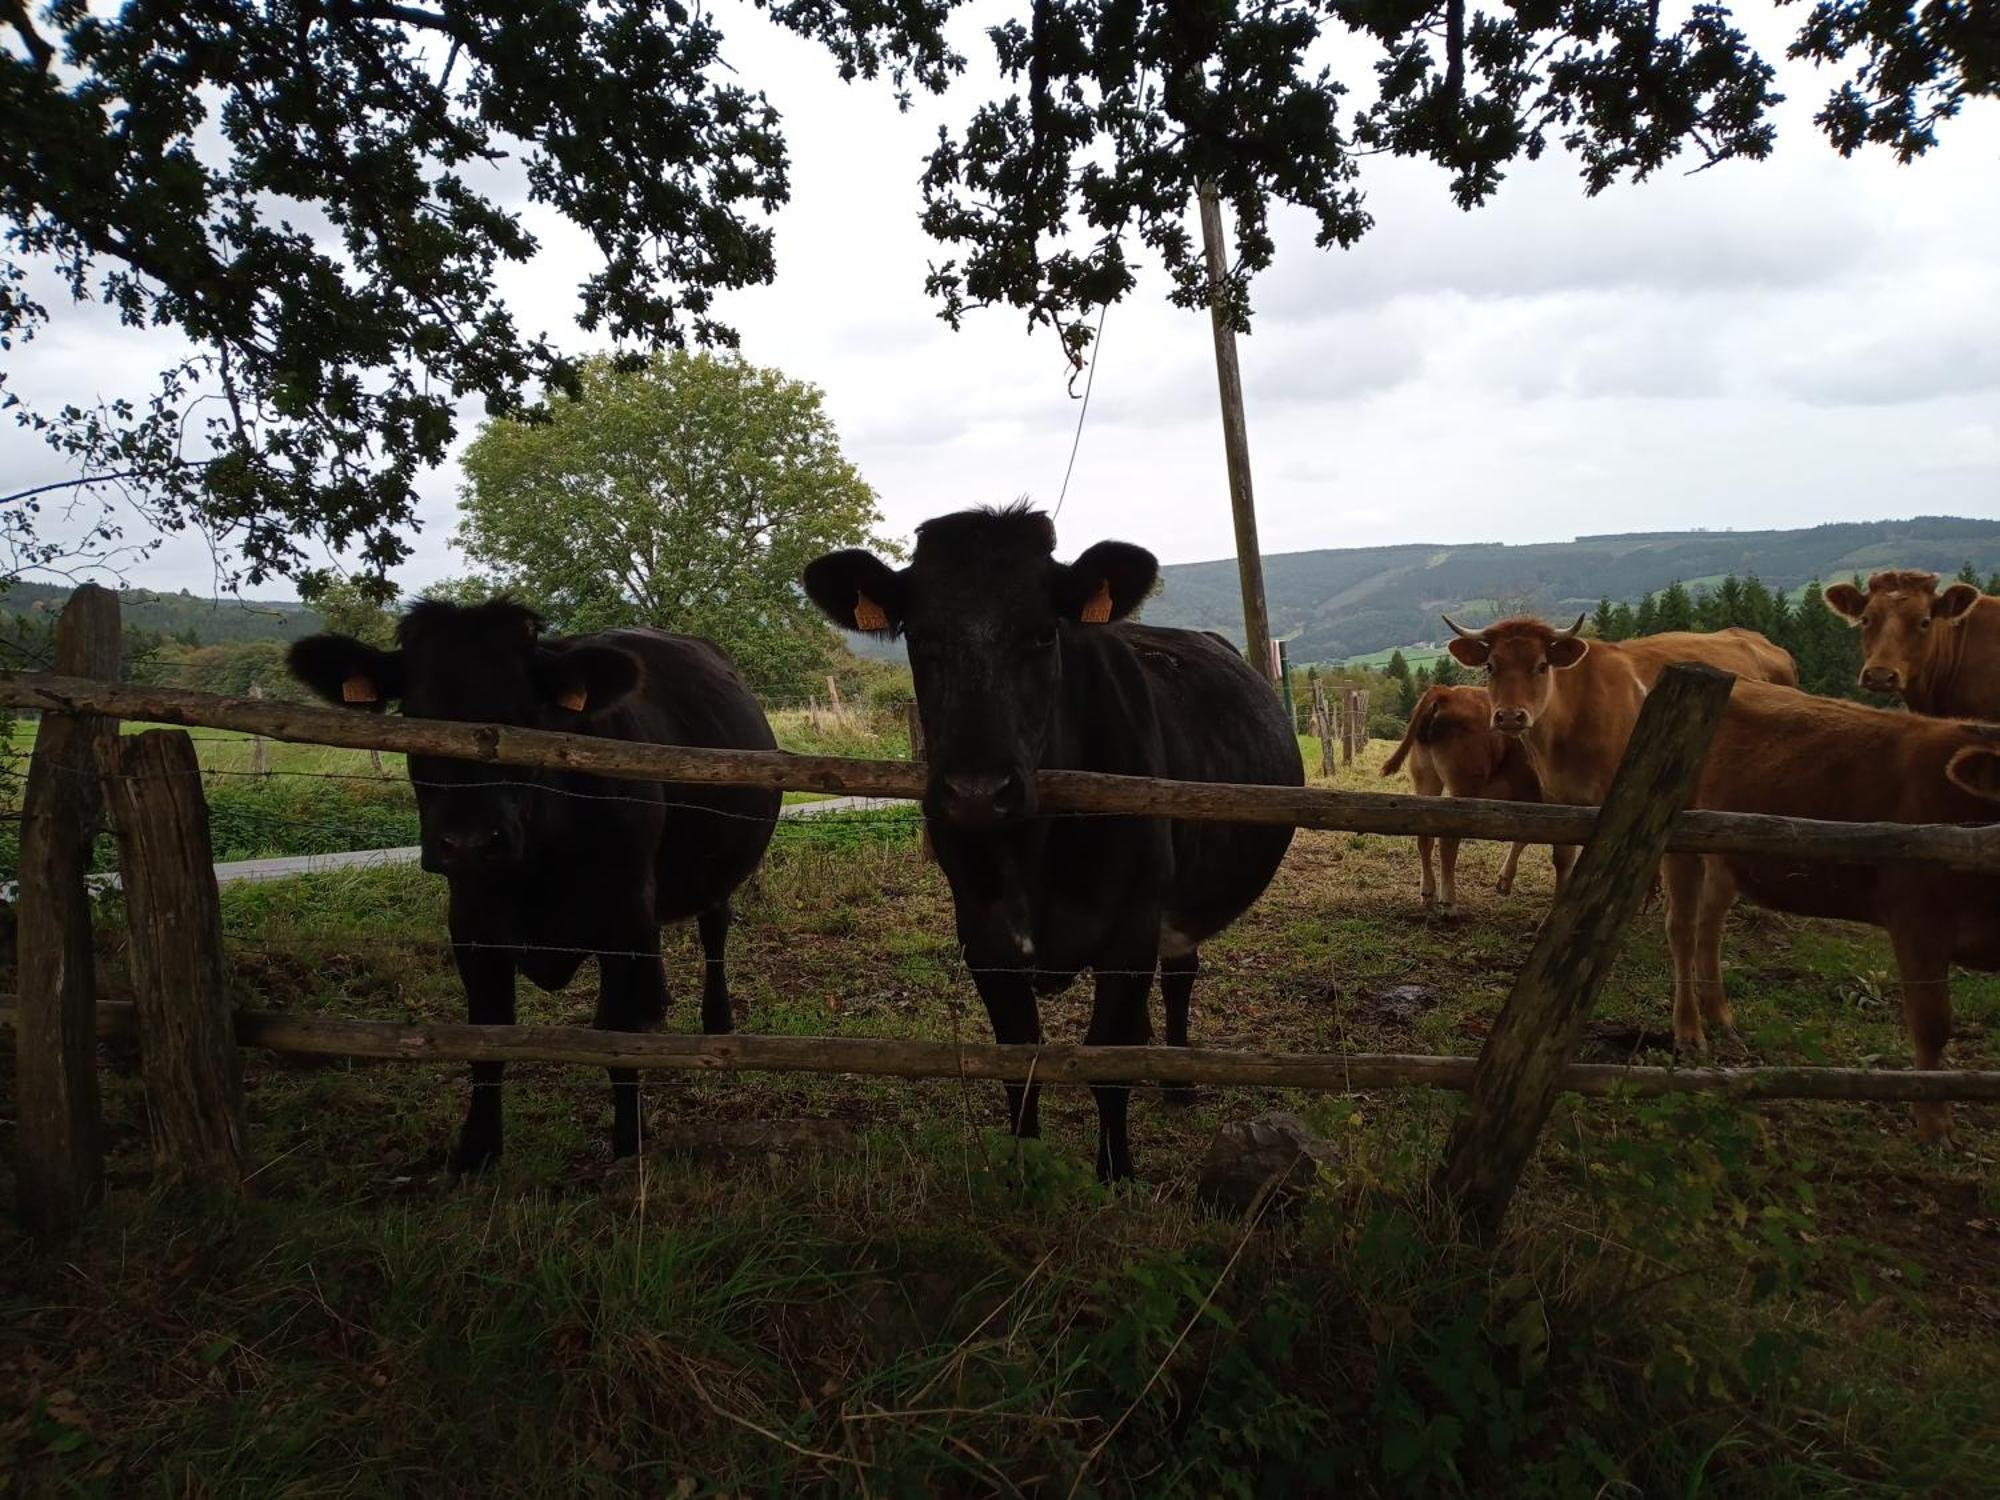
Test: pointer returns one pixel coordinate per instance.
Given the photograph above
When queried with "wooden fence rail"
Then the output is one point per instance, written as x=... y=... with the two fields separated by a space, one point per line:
x=1049 y=1063
x=1968 y=847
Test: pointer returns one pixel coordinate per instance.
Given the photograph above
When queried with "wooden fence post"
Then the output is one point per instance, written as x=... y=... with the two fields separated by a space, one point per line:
x=58 y=1137
x=1347 y=726
x=260 y=763
x=187 y=1036
x=1518 y=1074
x=1325 y=729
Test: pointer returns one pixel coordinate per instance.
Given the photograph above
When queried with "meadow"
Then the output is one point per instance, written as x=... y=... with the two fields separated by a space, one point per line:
x=884 y=1296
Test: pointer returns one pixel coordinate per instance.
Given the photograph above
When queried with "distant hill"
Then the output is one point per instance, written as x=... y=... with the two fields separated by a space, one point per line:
x=1355 y=600
x=181 y=616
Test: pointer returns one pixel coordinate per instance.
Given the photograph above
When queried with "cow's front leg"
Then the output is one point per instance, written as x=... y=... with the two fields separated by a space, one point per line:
x=1006 y=985
x=1118 y=1019
x=631 y=996
x=488 y=975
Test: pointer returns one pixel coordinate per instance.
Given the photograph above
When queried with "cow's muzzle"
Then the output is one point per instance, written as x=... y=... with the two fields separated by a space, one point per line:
x=464 y=850
x=1511 y=720
x=980 y=799
x=1880 y=679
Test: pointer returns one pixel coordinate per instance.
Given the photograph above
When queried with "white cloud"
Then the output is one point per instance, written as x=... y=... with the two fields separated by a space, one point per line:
x=1782 y=343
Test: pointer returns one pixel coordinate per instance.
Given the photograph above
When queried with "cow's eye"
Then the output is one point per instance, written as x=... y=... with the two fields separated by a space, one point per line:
x=1924 y=624
x=1541 y=666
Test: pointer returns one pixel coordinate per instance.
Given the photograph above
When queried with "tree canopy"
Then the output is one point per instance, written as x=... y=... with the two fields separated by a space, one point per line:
x=306 y=196
x=688 y=494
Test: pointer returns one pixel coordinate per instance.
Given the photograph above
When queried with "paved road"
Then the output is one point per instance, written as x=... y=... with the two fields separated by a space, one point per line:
x=286 y=867
x=290 y=865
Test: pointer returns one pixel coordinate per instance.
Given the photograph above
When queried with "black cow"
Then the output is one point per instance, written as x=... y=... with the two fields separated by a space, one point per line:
x=548 y=868
x=1020 y=667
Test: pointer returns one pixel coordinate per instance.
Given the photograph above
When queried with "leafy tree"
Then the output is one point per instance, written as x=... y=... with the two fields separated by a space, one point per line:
x=1758 y=608
x=1646 y=618
x=171 y=160
x=1968 y=574
x=1445 y=672
x=687 y=494
x=1398 y=668
x=349 y=608
x=1603 y=617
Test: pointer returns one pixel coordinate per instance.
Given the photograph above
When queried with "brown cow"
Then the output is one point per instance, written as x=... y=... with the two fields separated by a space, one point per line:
x=1783 y=752
x=1573 y=701
x=1939 y=651
x=1453 y=750
x=1791 y=754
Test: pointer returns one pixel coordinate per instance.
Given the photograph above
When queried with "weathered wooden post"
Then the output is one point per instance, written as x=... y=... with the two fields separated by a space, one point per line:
x=58 y=1134
x=1361 y=722
x=1347 y=726
x=260 y=763
x=1519 y=1072
x=1325 y=728
x=187 y=1042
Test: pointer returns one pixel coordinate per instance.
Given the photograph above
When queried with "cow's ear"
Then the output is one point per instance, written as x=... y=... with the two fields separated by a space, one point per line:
x=1847 y=601
x=1567 y=651
x=1955 y=601
x=856 y=590
x=1107 y=582
x=1977 y=769
x=347 y=672
x=1468 y=650
x=587 y=679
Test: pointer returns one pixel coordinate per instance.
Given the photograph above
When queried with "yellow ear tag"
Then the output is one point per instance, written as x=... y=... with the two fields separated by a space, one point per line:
x=1098 y=611
x=868 y=615
x=573 y=700
x=358 y=689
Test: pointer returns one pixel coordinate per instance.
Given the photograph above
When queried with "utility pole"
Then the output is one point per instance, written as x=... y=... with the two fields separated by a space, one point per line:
x=1236 y=443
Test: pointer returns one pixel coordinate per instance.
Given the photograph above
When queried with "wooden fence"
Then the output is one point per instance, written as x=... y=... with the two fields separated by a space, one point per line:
x=189 y=1039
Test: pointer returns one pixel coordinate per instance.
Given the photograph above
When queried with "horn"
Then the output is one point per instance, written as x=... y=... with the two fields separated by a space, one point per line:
x=1563 y=635
x=1458 y=630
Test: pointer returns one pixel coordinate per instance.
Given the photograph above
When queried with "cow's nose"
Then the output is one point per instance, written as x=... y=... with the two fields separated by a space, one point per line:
x=1511 y=720
x=977 y=799
x=460 y=846
x=1881 y=679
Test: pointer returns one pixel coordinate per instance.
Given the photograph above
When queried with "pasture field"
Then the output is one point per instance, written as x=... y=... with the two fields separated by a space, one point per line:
x=1694 y=1297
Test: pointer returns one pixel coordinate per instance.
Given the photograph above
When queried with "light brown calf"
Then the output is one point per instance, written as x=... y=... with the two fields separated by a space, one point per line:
x=1940 y=652
x=1453 y=750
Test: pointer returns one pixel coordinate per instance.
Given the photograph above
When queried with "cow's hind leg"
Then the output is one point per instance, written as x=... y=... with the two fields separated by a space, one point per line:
x=1177 y=976
x=1429 y=886
x=716 y=1014
x=1925 y=972
x=1447 y=875
x=1718 y=894
x=1683 y=878
x=1563 y=858
x=488 y=974
x=631 y=995
x=1505 y=884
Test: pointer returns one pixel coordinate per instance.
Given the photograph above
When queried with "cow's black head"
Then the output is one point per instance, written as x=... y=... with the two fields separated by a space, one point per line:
x=484 y=664
x=985 y=608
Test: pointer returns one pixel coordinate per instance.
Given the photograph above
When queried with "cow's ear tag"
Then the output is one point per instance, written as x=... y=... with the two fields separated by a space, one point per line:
x=360 y=688
x=573 y=699
x=1098 y=610
x=868 y=615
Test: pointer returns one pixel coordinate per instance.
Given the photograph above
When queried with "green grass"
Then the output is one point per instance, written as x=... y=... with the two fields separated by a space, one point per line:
x=1694 y=1298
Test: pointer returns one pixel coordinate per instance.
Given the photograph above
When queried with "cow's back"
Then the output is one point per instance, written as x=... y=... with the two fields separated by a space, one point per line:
x=1218 y=721
x=1790 y=754
x=1743 y=652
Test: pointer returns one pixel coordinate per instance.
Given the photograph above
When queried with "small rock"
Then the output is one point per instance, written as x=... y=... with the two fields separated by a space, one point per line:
x=1400 y=1004
x=1273 y=1151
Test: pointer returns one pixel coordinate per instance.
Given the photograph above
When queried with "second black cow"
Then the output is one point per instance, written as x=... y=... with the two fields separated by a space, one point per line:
x=1022 y=664
x=550 y=868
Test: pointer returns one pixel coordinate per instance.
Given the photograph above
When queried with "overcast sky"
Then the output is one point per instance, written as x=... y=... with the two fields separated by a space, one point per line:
x=1766 y=344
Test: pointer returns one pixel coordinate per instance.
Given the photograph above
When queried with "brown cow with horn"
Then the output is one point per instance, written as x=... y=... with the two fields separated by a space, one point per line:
x=1790 y=754
x=1453 y=750
x=1938 y=651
